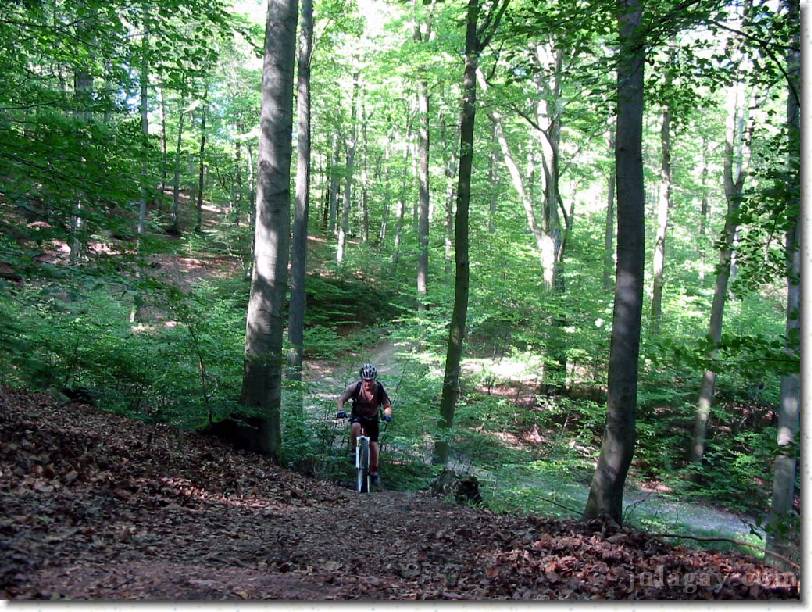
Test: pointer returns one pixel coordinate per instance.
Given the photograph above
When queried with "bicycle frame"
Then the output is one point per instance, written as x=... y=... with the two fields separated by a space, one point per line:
x=362 y=459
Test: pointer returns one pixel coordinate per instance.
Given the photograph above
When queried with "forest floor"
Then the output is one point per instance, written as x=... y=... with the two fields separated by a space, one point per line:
x=99 y=506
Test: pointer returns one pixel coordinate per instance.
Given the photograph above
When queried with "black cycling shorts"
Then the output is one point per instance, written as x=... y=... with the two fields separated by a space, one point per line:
x=369 y=424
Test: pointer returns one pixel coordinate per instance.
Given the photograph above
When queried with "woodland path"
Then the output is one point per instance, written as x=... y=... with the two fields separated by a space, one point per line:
x=326 y=380
x=99 y=506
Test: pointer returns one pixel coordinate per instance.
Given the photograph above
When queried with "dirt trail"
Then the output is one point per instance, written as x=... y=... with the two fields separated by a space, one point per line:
x=642 y=507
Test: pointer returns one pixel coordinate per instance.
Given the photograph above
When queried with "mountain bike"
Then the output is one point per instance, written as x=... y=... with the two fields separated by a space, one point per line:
x=363 y=479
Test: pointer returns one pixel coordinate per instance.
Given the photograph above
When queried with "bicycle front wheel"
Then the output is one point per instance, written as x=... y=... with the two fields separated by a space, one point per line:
x=362 y=467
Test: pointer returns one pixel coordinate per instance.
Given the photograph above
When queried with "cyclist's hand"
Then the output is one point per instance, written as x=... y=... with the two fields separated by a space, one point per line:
x=387 y=418
x=342 y=414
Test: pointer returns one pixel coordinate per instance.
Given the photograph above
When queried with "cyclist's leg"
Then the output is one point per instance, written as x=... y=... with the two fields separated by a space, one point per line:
x=372 y=429
x=355 y=431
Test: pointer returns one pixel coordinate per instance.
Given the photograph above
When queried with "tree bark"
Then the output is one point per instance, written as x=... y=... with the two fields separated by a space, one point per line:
x=238 y=176
x=619 y=436
x=350 y=146
x=296 y=311
x=780 y=532
x=703 y=209
x=262 y=388
x=364 y=173
x=334 y=177
x=663 y=206
x=492 y=178
x=163 y=143
x=451 y=377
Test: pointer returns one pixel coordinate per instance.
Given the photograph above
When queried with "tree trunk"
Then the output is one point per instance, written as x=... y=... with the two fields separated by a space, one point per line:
x=524 y=197
x=663 y=206
x=142 y=207
x=781 y=531
x=451 y=377
x=201 y=161
x=350 y=146
x=175 y=227
x=238 y=176
x=451 y=194
x=619 y=436
x=401 y=208
x=423 y=181
x=163 y=143
x=364 y=174
x=733 y=182
x=703 y=210
x=334 y=177
x=262 y=388
x=296 y=309
x=609 y=230
x=492 y=178
x=83 y=89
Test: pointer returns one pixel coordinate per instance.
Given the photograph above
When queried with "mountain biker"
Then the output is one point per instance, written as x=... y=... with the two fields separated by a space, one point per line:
x=367 y=396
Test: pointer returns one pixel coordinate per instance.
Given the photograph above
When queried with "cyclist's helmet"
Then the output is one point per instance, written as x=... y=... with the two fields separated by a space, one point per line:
x=368 y=372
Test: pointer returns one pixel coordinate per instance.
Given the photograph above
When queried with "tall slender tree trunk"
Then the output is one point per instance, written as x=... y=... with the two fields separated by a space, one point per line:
x=492 y=177
x=663 y=206
x=334 y=177
x=83 y=89
x=364 y=174
x=175 y=227
x=459 y=313
x=262 y=384
x=451 y=194
x=238 y=175
x=423 y=182
x=350 y=146
x=703 y=210
x=401 y=207
x=609 y=227
x=296 y=310
x=202 y=161
x=733 y=174
x=619 y=436
x=163 y=143
x=142 y=208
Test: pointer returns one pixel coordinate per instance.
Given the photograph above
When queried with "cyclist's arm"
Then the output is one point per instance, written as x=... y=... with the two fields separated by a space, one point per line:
x=387 y=405
x=345 y=396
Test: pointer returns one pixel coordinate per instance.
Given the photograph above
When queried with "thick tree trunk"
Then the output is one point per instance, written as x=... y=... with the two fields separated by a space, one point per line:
x=459 y=314
x=201 y=161
x=619 y=436
x=262 y=388
x=350 y=146
x=296 y=310
x=663 y=206
x=175 y=227
x=781 y=531
x=609 y=227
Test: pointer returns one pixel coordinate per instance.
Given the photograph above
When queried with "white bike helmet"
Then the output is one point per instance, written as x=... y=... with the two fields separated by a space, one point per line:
x=368 y=372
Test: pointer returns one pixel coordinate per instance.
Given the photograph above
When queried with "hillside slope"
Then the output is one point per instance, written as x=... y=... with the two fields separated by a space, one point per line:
x=97 y=506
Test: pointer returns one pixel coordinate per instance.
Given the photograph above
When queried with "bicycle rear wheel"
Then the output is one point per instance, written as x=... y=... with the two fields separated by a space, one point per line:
x=362 y=467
